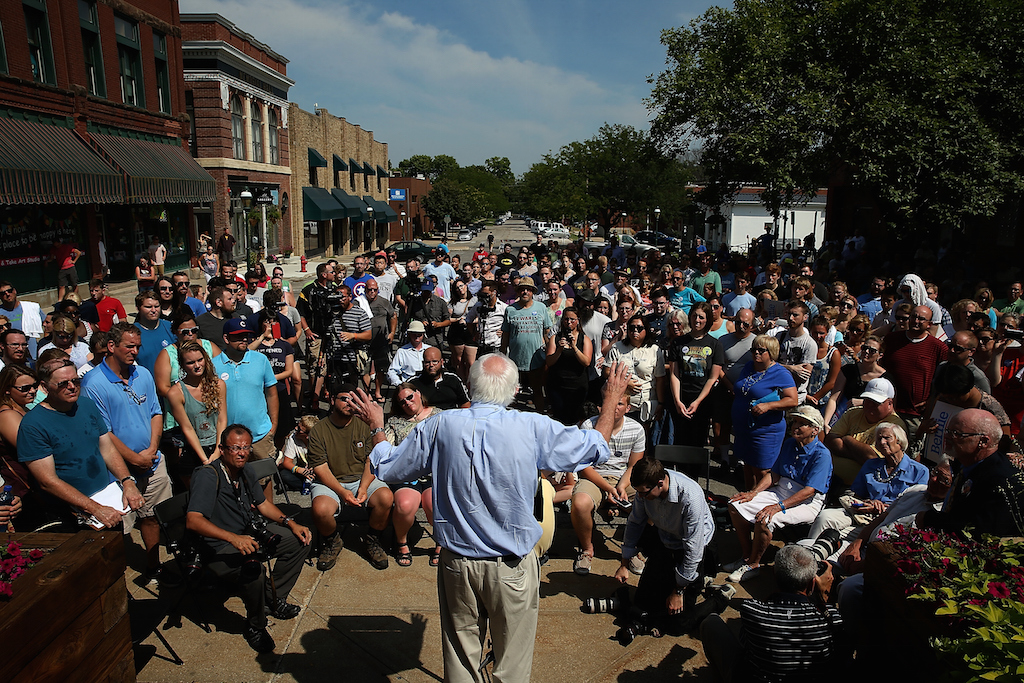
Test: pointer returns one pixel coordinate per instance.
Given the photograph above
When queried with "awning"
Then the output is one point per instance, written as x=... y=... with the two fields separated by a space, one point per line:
x=355 y=209
x=316 y=159
x=47 y=164
x=339 y=165
x=354 y=166
x=319 y=205
x=382 y=213
x=368 y=170
x=157 y=172
x=382 y=173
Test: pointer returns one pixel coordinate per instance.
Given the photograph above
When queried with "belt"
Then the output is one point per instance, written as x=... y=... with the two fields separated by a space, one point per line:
x=508 y=559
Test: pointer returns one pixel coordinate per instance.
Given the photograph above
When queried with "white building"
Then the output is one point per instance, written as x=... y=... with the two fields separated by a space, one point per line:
x=745 y=218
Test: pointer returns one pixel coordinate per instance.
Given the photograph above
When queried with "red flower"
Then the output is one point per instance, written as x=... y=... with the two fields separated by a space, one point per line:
x=5 y=589
x=13 y=548
x=998 y=590
x=929 y=536
x=35 y=554
x=908 y=566
x=976 y=601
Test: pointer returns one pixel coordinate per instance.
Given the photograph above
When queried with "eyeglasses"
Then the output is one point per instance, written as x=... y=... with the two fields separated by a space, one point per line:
x=17 y=346
x=758 y=350
x=189 y=332
x=238 y=449
x=5 y=292
x=957 y=434
x=25 y=388
x=956 y=348
x=869 y=350
x=984 y=340
x=138 y=400
x=902 y=318
x=846 y=304
x=646 y=493
x=68 y=383
x=406 y=399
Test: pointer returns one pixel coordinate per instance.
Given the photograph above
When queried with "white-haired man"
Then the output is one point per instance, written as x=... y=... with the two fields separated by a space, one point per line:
x=485 y=459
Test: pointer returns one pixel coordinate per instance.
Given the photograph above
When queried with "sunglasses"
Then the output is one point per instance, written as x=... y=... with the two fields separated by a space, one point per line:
x=869 y=351
x=636 y=328
x=68 y=383
x=25 y=388
x=189 y=332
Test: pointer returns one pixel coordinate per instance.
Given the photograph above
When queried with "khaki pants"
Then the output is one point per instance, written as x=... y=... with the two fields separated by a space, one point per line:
x=472 y=593
x=264 y=448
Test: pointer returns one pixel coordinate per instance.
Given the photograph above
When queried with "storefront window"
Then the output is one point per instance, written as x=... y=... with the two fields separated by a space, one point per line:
x=272 y=136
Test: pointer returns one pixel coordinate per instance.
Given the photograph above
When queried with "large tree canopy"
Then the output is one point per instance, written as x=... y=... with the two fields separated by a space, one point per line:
x=921 y=101
x=618 y=170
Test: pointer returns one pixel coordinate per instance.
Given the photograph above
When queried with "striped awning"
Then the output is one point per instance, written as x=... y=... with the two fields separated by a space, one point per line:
x=42 y=163
x=354 y=208
x=157 y=172
x=382 y=213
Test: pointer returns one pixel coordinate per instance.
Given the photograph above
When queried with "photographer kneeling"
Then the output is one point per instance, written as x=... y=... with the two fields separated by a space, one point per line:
x=793 y=634
x=228 y=509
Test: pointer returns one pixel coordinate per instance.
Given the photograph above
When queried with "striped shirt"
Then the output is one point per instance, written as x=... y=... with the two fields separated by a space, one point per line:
x=786 y=638
x=630 y=439
x=353 y=320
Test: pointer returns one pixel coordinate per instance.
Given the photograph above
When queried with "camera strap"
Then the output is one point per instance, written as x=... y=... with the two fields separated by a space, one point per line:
x=236 y=488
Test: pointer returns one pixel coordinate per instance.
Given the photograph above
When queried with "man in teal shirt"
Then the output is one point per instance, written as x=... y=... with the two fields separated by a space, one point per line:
x=524 y=335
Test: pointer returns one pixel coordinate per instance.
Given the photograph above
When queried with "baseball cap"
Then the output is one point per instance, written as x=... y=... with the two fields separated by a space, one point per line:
x=426 y=287
x=237 y=326
x=878 y=390
x=416 y=327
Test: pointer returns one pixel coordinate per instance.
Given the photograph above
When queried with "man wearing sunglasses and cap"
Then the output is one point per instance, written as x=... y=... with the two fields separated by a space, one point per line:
x=251 y=387
x=524 y=335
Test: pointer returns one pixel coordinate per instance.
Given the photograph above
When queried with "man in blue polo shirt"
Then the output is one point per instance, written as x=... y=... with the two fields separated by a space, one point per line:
x=251 y=387
x=126 y=396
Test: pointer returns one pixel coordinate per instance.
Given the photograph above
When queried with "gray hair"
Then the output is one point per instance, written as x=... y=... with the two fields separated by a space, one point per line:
x=494 y=378
x=795 y=568
x=897 y=431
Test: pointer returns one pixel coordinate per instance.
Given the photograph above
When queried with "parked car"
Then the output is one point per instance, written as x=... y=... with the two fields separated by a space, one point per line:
x=412 y=249
x=557 y=233
x=465 y=236
x=626 y=241
x=658 y=239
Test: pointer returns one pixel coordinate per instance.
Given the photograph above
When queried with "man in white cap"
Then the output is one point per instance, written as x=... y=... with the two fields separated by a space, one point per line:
x=408 y=360
x=851 y=440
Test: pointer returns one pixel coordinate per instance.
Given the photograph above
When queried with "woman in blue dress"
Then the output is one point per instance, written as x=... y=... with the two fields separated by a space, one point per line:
x=762 y=396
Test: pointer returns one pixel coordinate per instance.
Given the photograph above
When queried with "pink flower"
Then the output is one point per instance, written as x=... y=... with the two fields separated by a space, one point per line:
x=908 y=566
x=998 y=590
x=5 y=589
x=929 y=537
x=13 y=548
x=35 y=554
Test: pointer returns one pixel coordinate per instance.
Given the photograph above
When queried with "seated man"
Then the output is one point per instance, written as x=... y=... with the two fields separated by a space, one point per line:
x=850 y=439
x=440 y=389
x=792 y=492
x=607 y=484
x=408 y=360
x=220 y=509
x=338 y=448
x=797 y=617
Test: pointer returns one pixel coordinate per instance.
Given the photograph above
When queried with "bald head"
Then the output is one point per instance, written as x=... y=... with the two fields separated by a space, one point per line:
x=966 y=339
x=432 y=362
x=745 y=316
x=981 y=433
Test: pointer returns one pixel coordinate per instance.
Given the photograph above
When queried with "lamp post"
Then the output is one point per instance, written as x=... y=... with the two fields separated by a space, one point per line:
x=622 y=227
x=369 y=210
x=246 y=198
x=404 y=236
x=657 y=218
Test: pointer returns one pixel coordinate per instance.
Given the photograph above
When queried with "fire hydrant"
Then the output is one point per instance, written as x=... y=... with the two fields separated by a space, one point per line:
x=302 y=261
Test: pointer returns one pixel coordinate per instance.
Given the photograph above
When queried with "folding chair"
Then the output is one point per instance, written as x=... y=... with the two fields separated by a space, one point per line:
x=674 y=456
x=170 y=515
x=268 y=468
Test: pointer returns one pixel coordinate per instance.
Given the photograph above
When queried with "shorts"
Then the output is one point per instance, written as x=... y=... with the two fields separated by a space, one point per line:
x=68 y=277
x=264 y=448
x=805 y=513
x=458 y=335
x=353 y=486
x=155 y=488
x=596 y=494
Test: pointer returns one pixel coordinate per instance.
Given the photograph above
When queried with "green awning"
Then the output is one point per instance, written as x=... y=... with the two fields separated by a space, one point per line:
x=354 y=208
x=354 y=166
x=382 y=173
x=319 y=205
x=368 y=170
x=339 y=165
x=47 y=164
x=380 y=209
x=157 y=172
x=316 y=159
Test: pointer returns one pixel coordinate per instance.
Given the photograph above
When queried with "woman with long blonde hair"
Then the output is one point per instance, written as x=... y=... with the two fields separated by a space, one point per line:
x=198 y=404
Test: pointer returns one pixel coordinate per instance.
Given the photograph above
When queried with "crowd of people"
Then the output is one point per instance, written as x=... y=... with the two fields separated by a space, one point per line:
x=820 y=394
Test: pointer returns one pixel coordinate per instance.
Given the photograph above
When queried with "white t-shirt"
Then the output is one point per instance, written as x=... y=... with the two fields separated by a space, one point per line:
x=643 y=362
x=630 y=439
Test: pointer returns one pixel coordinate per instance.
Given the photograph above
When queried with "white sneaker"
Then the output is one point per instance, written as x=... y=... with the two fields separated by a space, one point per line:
x=636 y=565
x=733 y=566
x=742 y=573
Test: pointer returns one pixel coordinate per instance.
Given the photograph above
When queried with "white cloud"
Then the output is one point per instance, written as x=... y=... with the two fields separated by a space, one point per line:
x=421 y=89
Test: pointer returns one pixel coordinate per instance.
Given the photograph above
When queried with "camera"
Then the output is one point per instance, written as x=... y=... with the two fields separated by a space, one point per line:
x=1011 y=333
x=825 y=545
x=334 y=301
x=617 y=601
x=261 y=533
x=634 y=628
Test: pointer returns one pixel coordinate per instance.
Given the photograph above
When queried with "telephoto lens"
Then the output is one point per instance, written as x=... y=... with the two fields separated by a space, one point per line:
x=600 y=605
x=826 y=544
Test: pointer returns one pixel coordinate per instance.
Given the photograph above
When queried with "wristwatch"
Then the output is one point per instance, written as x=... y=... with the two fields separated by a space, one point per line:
x=129 y=477
x=375 y=432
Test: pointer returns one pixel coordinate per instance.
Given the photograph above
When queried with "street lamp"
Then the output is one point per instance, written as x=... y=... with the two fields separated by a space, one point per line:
x=657 y=218
x=246 y=198
x=404 y=236
x=370 y=228
x=623 y=223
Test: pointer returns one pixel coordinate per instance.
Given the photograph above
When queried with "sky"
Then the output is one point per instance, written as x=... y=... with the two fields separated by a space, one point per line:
x=472 y=79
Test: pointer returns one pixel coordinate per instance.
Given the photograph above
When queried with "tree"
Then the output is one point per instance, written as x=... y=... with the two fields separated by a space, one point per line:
x=449 y=197
x=417 y=164
x=920 y=101
x=491 y=191
x=441 y=165
x=501 y=168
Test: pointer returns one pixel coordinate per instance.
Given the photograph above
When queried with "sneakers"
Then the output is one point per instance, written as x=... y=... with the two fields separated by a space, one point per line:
x=583 y=563
x=259 y=639
x=375 y=553
x=742 y=573
x=733 y=566
x=636 y=565
x=282 y=609
x=329 y=552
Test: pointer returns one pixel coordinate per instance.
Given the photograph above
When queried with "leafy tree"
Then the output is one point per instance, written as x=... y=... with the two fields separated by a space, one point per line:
x=501 y=168
x=490 y=188
x=452 y=198
x=919 y=101
x=441 y=165
x=415 y=165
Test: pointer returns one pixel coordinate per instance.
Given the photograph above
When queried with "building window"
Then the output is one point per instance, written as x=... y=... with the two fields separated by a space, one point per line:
x=256 y=129
x=312 y=176
x=92 y=53
x=3 y=52
x=40 y=51
x=352 y=177
x=275 y=157
x=190 y=109
x=163 y=79
x=366 y=182
x=237 y=128
x=129 y=61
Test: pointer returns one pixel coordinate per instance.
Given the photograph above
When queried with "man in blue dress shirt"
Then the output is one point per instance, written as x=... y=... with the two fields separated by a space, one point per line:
x=485 y=461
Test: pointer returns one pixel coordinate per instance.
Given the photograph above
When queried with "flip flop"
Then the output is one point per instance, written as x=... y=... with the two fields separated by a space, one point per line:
x=435 y=557
x=403 y=559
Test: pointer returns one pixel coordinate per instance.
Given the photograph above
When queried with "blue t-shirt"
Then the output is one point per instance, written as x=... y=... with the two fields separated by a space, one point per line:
x=525 y=329
x=197 y=306
x=127 y=408
x=153 y=342
x=809 y=465
x=245 y=384
x=733 y=302
x=685 y=299
x=72 y=438
x=357 y=285
x=444 y=274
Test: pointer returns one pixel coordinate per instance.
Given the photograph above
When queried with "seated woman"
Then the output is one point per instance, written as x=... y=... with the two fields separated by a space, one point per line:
x=877 y=485
x=792 y=492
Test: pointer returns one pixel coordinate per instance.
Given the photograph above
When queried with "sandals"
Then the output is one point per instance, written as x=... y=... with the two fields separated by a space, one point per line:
x=435 y=557
x=403 y=559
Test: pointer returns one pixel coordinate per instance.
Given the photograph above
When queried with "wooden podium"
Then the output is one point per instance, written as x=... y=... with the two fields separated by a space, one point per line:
x=68 y=618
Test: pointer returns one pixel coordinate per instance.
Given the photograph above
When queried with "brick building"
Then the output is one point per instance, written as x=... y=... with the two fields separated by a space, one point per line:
x=236 y=92
x=405 y=196
x=339 y=185
x=92 y=124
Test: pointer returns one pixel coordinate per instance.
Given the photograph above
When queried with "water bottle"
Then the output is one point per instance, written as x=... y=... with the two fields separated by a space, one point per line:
x=307 y=482
x=7 y=498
